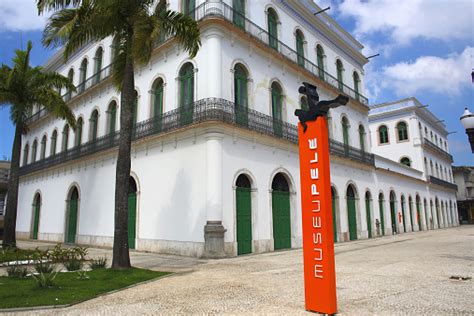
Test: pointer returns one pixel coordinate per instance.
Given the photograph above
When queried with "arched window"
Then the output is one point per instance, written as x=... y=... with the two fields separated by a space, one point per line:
x=362 y=137
x=437 y=170
x=383 y=135
x=304 y=103
x=300 y=47
x=238 y=15
x=436 y=139
x=135 y=109
x=431 y=136
x=43 y=147
x=94 y=125
x=70 y=76
x=405 y=161
x=345 y=130
x=115 y=48
x=78 y=134
x=54 y=141
x=355 y=77
x=277 y=108
x=186 y=93
x=426 y=166
x=98 y=64
x=272 y=28
x=240 y=86
x=112 y=117
x=402 y=130
x=26 y=152
x=320 y=59
x=340 y=78
x=157 y=97
x=431 y=168
x=34 y=149
x=188 y=7
x=65 y=138
x=241 y=94
x=82 y=76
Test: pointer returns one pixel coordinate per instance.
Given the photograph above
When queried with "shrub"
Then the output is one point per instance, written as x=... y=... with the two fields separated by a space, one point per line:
x=73 y=264
x=17 y=272
x=44 y=267
x=98 y=263
x=45 y=279
x=82 y=275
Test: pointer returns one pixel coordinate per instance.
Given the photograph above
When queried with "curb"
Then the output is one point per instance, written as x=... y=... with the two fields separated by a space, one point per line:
x=35 y=308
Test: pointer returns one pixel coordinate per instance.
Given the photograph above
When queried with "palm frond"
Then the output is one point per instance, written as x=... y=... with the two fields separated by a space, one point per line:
x=54 y=5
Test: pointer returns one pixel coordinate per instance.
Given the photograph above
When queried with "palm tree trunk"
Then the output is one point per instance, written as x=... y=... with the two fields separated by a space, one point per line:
x=9 y=238
x=121 y=256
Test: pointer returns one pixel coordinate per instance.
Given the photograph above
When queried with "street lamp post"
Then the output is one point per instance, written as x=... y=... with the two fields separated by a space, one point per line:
x=467 y=120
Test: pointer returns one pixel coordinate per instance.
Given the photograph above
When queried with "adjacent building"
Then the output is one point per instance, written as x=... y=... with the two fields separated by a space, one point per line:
x=464 y=178
x=214 y=153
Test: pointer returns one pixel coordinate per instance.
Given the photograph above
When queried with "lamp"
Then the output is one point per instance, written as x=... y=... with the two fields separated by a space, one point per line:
x=467 y=120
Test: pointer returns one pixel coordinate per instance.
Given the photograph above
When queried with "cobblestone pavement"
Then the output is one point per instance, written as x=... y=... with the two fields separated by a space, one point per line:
x=404 y=274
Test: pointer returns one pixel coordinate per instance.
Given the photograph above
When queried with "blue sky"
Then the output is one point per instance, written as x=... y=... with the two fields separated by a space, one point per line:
x=426 y=50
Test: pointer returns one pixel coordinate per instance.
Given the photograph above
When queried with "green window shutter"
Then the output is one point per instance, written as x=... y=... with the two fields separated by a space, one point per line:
x=241 y=96
x=300 y=49
x=277 y=111
x=345 y=132
x=54 y=140
x=33 y=151
x=113 y=118
x=43 y=148
x=238 y=13
x=362 y=138
x=320 y=57
x=78 y=139
x=340 y=80
x=272 y=30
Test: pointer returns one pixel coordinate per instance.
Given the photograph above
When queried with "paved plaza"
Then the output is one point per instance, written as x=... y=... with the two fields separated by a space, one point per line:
x=403 y=274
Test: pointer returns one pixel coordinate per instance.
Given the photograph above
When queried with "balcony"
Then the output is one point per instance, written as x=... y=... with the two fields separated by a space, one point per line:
x=223 y=11
x=204 y=110
x=433 y=147
x=443 y=183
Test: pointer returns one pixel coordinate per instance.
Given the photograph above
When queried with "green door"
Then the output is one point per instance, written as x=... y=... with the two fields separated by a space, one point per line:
x=369 y=219
x=410 y=208
x=351 y=213
x=404 y=217
x=186 y=95
x=132 y=219
x=238 y=14
x=36 y=207
x=418 y=215
x=334 y=226
x=72 y=221
x=276 y=110
x=244 y=221
x=281 y=219
x=393 y=216
x=241 y=96
x=382 y=221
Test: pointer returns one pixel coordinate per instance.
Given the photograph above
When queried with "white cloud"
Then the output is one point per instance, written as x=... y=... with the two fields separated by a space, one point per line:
x=429 y=73
x=20 y=15
x=406 y=20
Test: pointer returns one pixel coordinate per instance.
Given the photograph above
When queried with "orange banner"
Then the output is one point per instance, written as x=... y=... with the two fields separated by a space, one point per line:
x=318 y=233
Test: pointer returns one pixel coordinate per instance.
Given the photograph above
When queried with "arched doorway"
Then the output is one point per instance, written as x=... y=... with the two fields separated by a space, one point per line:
x=132 y=212
x=393 y=215
x=402 y=198
x=381 y=210
x=368 y=200
x=281 y=212
x=438 y=213
x=427 y=214
x=418 y=213
x=36 y=215
x=351 y=212
x=244 y=214
x=72 y=210
x=334 y=207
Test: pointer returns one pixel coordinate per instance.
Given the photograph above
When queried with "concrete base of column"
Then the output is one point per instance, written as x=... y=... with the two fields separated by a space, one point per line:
x=214 y=240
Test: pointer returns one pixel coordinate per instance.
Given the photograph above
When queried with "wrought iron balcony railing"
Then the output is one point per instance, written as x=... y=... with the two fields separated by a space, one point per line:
x=429 y=144
x=226 y=12
x=204 y=110
x=443 y=183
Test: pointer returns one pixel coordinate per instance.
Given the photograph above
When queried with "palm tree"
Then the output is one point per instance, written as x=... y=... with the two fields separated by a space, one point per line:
x=22 y=87
x=136 y=26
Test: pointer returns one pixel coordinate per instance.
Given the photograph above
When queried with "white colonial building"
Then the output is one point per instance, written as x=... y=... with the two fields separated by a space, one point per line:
x=215 y=153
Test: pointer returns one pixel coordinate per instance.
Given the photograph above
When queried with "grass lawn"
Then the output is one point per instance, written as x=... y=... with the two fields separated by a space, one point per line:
x=68 y=288
x=15 y=254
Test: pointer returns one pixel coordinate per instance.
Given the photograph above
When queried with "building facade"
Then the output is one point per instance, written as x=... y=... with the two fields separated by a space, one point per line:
x=215 y=153
x=464 y=178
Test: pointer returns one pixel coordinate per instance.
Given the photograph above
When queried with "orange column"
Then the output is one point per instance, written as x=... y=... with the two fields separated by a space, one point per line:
x=318 y=235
